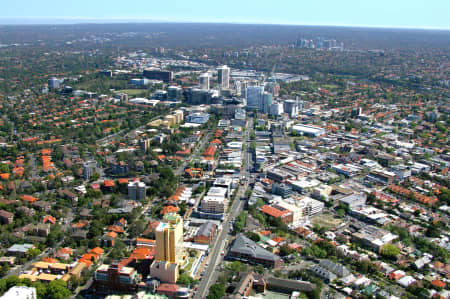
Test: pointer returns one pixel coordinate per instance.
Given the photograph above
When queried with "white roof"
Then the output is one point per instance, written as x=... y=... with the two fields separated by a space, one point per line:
x=406 y=281
x=217 y=192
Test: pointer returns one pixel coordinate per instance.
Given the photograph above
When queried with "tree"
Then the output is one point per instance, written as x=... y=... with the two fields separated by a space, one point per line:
x=33 y=252
x=185 y=279
x=253 y=236
x=433 y=231
x=57 y=289
x=260 y=269
x=285 y=250
x=389 y=251
x=217 y=291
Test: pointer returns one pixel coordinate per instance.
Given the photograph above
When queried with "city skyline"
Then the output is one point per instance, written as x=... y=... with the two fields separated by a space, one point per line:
x=351 y=13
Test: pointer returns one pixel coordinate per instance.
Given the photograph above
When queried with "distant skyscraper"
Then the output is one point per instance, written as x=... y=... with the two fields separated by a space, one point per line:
x=290 y=107
x=254 y=96
x=266 y=102
x=223 y=77
x=244 y=85
x=54 y=83
x=276 y=109
x=174 y=93
x=273 y=88
x=204 y=81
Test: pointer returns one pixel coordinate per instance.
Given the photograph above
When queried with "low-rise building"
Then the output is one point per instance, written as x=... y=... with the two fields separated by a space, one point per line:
x=246 y=250
x=20 y=292
x=205 y=233
x=6 y=217
x=115 y=277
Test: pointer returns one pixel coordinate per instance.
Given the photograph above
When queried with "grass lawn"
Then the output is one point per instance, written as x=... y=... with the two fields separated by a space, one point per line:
x=327 y=221
x=188 y=265
x=133 y=92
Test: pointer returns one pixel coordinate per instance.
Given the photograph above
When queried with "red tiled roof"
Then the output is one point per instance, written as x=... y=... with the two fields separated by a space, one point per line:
x=108 y=183
x=274 y=212
x=97 y=251
x=167 y=287
x=29 y=198
x=50 y=219
x=123 y=181
x=210 y=151
x=438 y=283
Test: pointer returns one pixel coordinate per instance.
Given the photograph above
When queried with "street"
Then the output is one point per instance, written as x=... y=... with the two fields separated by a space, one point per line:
x=225 y=237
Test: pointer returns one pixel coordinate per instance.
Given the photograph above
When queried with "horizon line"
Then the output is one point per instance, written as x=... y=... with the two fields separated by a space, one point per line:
x=124 y=20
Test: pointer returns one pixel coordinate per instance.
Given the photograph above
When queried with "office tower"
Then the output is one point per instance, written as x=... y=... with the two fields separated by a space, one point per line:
x=136 y=190
x=265 y=103
x=144 y=144
x=244 y=85
x=276 y=109
x=254 y=96
x=123 y=97
x=196 y=96
x=89 y=168
x=204 y=81
x=273 y=88
x=301 y=105
x=54 y=83
x=290 y=107
x=154 y=74
x=174 y=93
x=223 y=77
x=169 y=249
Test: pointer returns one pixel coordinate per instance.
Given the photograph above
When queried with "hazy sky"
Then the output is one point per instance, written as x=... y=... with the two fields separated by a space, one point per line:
x=378 y=13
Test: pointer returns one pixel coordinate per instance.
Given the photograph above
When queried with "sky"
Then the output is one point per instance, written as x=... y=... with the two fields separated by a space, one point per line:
x=426 y=14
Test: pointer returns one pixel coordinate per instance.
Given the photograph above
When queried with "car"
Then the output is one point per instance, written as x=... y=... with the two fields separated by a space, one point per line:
x=222 y=253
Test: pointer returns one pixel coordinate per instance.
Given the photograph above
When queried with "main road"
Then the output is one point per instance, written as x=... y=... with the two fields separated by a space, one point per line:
x=224 y=236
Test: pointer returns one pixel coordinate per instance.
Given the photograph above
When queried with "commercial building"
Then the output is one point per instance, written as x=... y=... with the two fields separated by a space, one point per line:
x=198 y=118
x=308 y=130
x=54 y=83
x=266 y=102
x=223 y=77
x=136 y=190
x=174 y=93
x=354 y=200
x=214 y=201
x=373 y=237
x=211 y=204
x=204 y=81
x=282 y=190
x=300 y=208
x=278 y=212
x=205 y=233
x=248 y=251
x=169 y=249
x=304 y=185
x=116 y=277
x=276 y=109
x=290 y=107
x=144 y=144
x=165 y=76
x=254 y=97
x=381 y=177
